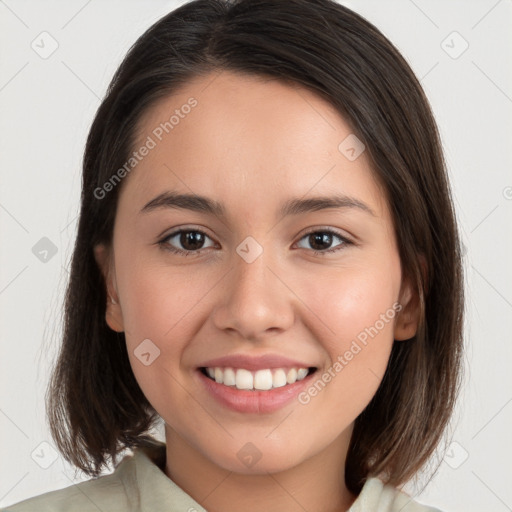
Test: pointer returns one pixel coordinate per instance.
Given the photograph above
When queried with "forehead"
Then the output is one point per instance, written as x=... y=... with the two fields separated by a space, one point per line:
x=239 y=137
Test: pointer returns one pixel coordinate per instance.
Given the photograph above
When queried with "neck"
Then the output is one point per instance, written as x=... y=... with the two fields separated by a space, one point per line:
x=317 y=483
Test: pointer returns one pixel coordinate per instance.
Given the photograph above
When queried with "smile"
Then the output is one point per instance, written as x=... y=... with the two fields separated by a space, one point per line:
x=254 y=392
x=260 y=380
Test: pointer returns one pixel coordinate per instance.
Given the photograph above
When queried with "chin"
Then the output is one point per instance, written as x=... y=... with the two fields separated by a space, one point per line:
x=254 y=458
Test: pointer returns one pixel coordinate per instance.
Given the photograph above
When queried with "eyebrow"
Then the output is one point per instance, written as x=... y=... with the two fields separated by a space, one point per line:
x=294 y=206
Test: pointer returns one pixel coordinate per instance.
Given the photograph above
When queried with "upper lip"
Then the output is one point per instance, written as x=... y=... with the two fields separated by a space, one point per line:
x=254 y=363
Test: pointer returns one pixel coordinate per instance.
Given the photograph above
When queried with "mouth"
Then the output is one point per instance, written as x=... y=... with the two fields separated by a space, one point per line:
x=261 y=391
x=254 y=383
x=260 y=380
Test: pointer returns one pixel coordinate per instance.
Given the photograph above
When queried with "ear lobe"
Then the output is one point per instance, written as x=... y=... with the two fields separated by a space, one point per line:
x=113 y=313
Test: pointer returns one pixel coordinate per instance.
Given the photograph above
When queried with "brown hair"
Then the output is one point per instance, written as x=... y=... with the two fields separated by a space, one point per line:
x=95 y=406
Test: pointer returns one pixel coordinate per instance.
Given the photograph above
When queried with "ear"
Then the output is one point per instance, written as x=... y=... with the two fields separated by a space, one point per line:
x=407 y=321
x=113 y=313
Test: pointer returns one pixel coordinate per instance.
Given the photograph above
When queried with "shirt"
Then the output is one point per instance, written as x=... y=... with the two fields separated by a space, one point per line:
x=140 y=484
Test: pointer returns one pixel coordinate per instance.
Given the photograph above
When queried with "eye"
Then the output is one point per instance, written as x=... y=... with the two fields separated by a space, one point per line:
x=324 y=237
x=192 y=241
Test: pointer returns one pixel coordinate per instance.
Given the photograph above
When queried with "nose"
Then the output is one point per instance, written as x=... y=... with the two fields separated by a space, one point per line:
x=256 y=302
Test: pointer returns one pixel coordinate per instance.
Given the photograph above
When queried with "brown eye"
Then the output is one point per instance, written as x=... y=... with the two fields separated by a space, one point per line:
x=321 y=240
x=188 y=240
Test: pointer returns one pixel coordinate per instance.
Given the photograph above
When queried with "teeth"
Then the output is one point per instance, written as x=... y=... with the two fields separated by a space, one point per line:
x=301 y=373
x=244 y=379
x=279 y=378
x=261 y=380
x=229 y=377
x=291 y=377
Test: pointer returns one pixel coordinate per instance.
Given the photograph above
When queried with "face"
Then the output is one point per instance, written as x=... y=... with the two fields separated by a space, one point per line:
x=256 y=295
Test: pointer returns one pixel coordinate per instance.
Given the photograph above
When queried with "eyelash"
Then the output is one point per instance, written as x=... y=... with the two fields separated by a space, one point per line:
x=165 y=245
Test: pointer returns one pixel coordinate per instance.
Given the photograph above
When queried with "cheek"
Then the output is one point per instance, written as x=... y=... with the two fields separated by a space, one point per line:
x=157 y=301
x=350 y=300
x=157 y=305
x=160 y=304
x=355 y=320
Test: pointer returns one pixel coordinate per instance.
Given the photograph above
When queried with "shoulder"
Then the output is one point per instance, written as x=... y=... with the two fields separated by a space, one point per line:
x=107 y=492
x=375 y=495
x=138 y=483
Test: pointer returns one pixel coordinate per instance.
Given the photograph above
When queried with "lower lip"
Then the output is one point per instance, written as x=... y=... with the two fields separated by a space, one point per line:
x=256 y=402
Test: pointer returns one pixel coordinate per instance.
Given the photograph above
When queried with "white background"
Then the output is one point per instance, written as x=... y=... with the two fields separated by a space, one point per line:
x=46 y=109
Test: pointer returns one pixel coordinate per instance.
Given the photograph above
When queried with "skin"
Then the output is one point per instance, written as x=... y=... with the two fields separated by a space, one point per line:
x=251 y=144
